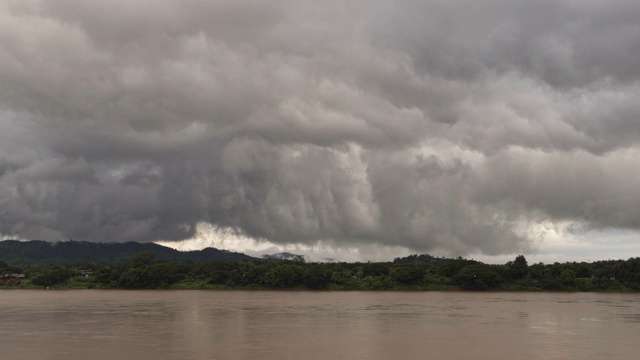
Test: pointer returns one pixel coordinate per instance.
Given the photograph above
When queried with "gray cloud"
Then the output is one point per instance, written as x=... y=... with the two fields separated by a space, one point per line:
x=436 y=126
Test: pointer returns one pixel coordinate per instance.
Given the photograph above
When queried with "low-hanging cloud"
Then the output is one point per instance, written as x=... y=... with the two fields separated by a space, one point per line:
x=431 y=125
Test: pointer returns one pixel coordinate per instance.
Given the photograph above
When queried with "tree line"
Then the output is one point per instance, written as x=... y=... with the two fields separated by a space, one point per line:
x=415 y=272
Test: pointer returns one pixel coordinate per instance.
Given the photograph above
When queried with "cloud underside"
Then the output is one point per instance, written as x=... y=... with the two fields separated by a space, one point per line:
x=449 y=126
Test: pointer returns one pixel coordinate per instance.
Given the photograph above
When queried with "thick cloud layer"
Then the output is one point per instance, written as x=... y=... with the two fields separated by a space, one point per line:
x=451 y=126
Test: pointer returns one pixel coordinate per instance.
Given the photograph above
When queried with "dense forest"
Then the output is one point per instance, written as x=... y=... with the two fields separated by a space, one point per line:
x=145 y=270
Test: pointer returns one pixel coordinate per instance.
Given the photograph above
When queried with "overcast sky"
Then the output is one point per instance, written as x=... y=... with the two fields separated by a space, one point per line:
x=344 y=129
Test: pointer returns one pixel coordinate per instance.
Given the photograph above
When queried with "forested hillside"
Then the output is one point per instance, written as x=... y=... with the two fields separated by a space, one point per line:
x=146 y=270
x=23 y=253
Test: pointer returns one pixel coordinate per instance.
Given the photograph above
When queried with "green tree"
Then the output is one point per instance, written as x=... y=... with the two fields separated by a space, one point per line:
x=106 y=276
x=375 y=269
x=452 y=267
x=284 y=275
x=519 y=268
x=315 y=276
x=407 y=274
x=53 y=275
x=477 y=277
x=568 y=278
x=143 y=258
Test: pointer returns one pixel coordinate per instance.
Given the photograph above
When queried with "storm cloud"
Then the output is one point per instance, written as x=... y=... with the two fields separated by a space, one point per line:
x=450 y=126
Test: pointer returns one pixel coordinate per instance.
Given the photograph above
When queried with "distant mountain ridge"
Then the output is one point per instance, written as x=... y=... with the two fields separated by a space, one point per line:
x=37 y=252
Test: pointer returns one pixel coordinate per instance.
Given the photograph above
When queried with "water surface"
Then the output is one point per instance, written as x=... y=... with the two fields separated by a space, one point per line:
x=106 y=324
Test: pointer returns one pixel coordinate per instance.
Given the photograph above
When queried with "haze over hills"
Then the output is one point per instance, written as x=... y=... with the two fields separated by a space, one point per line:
x=281 y=256
x=36 y=252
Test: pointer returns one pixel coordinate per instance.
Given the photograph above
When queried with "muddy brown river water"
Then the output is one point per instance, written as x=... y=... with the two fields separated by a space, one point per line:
x=106 y=324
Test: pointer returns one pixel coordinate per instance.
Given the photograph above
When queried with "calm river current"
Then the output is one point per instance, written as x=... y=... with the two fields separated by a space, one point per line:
x=267 y=325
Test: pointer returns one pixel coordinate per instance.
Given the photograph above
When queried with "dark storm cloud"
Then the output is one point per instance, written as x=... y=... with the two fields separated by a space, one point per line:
x=437 y=125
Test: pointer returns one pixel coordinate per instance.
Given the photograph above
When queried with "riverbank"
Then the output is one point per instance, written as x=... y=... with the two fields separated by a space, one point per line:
x=144 y=271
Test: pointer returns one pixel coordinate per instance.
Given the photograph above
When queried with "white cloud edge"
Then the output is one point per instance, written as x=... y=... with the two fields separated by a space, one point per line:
x=557 y=243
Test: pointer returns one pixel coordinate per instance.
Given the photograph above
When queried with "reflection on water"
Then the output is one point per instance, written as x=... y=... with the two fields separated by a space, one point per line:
x=317 y=325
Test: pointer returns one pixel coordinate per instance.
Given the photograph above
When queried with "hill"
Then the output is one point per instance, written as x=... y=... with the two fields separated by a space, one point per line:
x=36 y=252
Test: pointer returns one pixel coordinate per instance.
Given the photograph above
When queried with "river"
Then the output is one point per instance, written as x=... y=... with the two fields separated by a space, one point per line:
x=264 y=325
